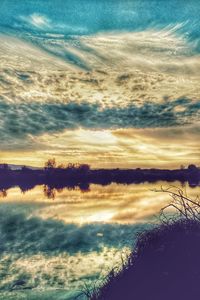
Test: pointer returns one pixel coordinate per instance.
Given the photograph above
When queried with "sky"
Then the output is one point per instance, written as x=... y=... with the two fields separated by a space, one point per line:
x=109 y=83
x=112 y=83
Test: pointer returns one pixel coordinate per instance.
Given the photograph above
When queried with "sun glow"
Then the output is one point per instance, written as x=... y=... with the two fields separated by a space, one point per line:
x=121 y=148
x=103 y=216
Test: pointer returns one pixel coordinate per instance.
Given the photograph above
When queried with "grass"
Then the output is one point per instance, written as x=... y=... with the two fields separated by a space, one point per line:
x=165 y=264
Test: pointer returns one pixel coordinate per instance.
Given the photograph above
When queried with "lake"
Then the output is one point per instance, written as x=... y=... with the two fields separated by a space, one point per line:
x=60 y=241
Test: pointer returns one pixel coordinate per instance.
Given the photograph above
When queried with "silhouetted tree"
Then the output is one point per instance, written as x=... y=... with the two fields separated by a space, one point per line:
x=50 y=164
x=3 y=193
x=84 y=168
x=49 y=192
x=71 y=166
x=192 y=168
x=61 y=166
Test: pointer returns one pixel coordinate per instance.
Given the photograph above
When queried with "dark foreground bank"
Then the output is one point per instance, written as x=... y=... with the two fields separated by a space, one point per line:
x=164 y=266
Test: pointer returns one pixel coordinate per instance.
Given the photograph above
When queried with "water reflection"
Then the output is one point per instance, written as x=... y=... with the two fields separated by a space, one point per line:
x=63 y=238
x=115 y=203
x=60 y=271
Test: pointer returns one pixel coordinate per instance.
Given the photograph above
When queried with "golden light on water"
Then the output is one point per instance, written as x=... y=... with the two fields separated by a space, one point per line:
x=123 y=204
x=115 y=84
x=103 y=216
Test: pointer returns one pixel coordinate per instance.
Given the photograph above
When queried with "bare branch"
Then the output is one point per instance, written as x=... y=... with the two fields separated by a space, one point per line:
x=185 y=207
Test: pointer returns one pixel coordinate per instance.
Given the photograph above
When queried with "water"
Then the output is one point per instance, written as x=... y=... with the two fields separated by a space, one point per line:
x=62 y=241
x=114 y=84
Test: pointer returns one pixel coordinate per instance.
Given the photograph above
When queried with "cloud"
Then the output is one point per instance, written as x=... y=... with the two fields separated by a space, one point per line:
x=59 y=274
x=152 y=49
x=84 y=70
x=150 y=81
x=124 y=148
x=20 y=120
x=33 y=250
x=32 y=235
x=53 y=29
x=155 y=147
x=20 y=55
x=37 y=20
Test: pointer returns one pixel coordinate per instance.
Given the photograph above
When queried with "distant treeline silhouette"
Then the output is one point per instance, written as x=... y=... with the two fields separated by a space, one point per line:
x=80 y=176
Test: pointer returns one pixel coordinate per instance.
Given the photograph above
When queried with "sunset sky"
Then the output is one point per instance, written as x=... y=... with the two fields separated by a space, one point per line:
x=109 y=83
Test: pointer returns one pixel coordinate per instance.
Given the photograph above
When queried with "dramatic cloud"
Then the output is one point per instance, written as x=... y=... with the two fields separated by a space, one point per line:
x=59 y=274
x=22 y=120
x=32 y=250
x=165 y=148
x=33 y=235
x=165 y=50
x=156 y=147
x=52 y=87
x=109 y=83
x=144 y=66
